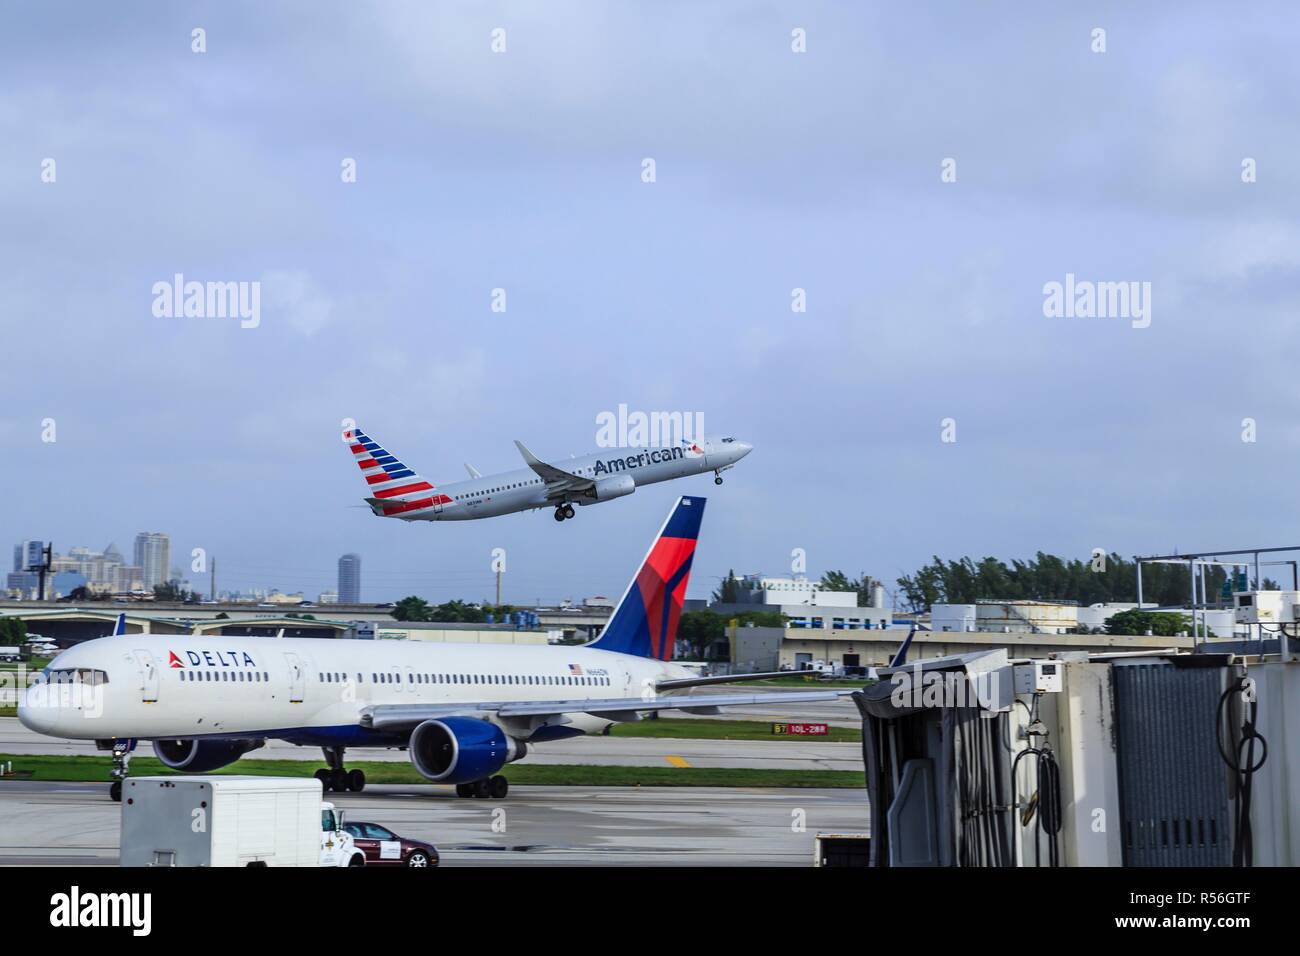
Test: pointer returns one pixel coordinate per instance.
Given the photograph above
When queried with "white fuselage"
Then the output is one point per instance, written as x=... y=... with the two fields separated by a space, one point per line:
x=307 y=690
x=522 y=490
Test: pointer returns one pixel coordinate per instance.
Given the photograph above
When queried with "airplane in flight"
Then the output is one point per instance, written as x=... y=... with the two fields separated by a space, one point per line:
x=462 y=711
x=397 y=491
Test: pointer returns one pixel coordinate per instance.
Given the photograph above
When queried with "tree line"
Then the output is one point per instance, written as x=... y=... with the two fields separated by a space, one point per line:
x=1048 y=577
x=418 y=609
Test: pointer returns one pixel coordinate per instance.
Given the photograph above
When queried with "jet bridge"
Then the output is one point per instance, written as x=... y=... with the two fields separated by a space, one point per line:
x=1083 y=760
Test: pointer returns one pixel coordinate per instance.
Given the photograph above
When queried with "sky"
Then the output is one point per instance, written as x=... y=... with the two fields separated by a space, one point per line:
x=828 y=170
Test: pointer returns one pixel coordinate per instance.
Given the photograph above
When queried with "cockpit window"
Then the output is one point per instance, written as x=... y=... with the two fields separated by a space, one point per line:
x=728 y=440
x=75 y=675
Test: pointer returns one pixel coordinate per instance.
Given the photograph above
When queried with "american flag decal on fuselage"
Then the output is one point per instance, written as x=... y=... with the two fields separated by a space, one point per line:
x=395 y=488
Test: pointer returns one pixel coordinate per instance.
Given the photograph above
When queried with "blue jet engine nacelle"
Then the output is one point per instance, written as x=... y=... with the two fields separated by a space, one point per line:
x=202 y=756
x=461 y=749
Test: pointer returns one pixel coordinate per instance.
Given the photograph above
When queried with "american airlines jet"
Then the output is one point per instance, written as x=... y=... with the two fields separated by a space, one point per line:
x=397 y=491
x=462 y=711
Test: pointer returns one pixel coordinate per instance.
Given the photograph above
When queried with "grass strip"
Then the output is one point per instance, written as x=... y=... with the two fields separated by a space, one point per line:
x=95 y=769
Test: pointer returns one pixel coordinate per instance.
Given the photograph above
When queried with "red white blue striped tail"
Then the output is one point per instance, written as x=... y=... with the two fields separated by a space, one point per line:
x=395 y=489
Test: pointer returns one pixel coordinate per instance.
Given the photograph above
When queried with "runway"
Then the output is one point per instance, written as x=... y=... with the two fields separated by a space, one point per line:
x=802 y=754
x=76 y=824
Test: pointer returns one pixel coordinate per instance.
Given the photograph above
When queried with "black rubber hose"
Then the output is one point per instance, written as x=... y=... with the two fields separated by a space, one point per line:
x=1243 y=767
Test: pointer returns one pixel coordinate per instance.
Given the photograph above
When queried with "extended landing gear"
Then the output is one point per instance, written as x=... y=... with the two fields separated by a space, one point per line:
x=336 y=777
x=563 y=511
x=717 y=478
x=121 y=764
x=495 y=787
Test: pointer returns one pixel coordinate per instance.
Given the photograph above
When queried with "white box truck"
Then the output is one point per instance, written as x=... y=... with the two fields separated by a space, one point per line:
x=232 y=821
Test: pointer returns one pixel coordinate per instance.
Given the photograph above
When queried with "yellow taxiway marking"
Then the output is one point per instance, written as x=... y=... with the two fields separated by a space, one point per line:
x=676 y=761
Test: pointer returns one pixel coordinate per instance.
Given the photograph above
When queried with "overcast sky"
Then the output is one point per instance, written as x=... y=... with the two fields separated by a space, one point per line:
x=775 y=170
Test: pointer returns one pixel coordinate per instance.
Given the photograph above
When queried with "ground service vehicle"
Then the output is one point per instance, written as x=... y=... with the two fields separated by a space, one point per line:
x=232 y=821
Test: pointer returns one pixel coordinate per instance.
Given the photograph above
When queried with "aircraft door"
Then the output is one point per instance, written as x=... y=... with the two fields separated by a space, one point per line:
x=297 y=678
x=148 y=676
x=704 y=462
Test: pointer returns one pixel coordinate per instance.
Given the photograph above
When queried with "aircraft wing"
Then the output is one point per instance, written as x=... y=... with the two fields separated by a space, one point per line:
x=558 y=481
x=681 y=682
x=399 y=716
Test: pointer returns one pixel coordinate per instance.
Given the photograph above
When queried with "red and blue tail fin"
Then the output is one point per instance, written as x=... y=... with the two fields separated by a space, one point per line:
x=395 y=489
x=645 y=621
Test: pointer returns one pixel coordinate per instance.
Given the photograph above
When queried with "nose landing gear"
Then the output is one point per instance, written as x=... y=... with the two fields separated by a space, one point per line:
x=336 y=777
x=717 y=477
x=121 y=766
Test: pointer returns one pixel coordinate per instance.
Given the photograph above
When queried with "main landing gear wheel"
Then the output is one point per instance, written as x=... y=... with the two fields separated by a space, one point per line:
x=559 y=514
x=115 y=791
x=563 y=511
x=336 y=777
x=568 y=511
x=495 y=787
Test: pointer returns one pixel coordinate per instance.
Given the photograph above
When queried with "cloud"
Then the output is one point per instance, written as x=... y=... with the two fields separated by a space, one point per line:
x=294 y=297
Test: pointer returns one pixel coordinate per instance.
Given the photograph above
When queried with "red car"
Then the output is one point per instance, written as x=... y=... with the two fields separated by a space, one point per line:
x=383 y=847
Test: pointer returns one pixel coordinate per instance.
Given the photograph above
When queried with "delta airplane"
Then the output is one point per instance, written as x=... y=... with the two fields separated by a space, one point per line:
x=397 y=491
x=462 y=711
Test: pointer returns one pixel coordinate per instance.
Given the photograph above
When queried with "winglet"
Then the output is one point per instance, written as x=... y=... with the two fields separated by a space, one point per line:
x=473 y=472
x=529 y=457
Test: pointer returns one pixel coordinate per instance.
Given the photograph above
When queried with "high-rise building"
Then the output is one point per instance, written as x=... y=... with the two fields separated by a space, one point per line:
x=153 y=554
x=28 y=554
x=350 y=579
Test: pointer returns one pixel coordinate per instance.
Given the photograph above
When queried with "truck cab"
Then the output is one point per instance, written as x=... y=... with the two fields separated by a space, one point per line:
x=336 y=846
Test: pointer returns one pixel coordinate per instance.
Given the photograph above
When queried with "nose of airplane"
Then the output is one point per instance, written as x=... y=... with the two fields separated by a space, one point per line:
x=743 y=449
x=36 y=711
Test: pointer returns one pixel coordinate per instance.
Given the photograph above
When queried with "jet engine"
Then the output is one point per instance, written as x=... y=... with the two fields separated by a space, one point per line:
x=461 y=749
x=202 y=756
x=614 y=486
